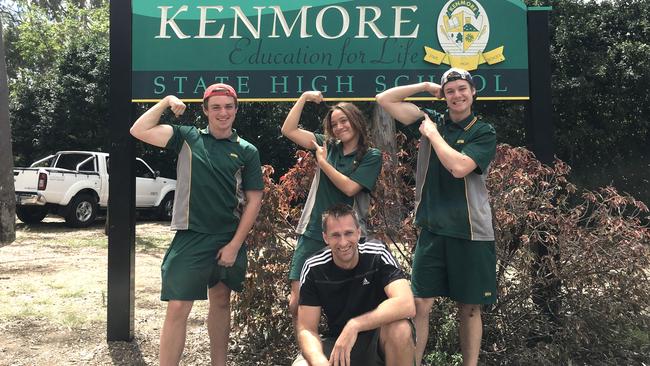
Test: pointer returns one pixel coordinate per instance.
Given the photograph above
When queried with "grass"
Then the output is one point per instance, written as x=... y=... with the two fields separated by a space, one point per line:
x=40 y=283
x=53 y=285
x=67 y=297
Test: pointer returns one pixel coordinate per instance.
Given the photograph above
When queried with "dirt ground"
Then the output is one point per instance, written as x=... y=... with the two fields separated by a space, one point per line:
x=53 y=299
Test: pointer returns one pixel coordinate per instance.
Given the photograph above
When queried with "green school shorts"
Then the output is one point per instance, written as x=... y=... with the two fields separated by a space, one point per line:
x=305 y=248
x=460 y=269
x=190 y=266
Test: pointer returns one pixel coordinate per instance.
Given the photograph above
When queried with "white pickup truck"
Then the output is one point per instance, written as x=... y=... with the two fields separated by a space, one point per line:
x=74 y=184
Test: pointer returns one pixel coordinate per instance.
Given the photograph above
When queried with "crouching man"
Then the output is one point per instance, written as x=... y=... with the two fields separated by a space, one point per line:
x=365 y=296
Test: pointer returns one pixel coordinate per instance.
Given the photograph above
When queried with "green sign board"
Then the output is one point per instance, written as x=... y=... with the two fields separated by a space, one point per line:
x=349 y=50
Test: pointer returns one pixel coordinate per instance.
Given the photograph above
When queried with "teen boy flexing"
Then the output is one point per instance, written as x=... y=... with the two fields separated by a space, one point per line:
x=218 y=196
x=455 y=255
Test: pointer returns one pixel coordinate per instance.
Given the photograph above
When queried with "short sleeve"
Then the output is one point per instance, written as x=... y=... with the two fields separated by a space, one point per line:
x=319 y=138
x=252 y=172
x=175 y=143
x=308 y=292
x=482 y=147
x=368 y=170
x=385 y=264
x=391 y=272
x=413 y=130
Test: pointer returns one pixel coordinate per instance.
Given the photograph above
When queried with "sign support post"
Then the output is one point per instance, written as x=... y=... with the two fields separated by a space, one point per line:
x=121 y=228
x=539 y=131
x=539 y=124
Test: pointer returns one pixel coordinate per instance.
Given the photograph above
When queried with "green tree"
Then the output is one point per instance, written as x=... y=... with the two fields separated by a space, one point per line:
x=600 y=57
x=59 y=94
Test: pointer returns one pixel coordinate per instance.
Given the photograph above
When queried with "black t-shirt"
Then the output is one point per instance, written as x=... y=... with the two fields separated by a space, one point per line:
x=344 y=294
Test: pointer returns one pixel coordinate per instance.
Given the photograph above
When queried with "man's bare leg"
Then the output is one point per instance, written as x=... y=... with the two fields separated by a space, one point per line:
x=172 y=336
x=219 y=323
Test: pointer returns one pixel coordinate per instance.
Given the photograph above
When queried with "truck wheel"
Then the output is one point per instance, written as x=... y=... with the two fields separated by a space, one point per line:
x=31 y=214
x=166 y=207
x=82 y=211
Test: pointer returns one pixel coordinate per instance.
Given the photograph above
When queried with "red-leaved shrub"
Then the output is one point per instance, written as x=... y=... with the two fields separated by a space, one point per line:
x=572 y=267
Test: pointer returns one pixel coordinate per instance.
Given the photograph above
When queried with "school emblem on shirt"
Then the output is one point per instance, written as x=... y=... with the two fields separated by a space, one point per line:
x=463 y=32
x=365 y=282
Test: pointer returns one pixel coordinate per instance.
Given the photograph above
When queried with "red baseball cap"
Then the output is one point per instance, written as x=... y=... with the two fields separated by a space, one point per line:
x=220 y=89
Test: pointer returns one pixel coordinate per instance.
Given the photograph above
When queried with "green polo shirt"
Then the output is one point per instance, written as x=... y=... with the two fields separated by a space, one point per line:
x=323 y=193
x=212 y=175
x=455 y=207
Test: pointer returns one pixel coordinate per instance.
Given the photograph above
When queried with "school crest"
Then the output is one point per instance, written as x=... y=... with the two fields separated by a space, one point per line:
x=463 y=29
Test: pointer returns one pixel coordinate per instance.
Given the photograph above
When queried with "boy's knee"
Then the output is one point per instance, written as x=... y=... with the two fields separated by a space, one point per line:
x=178 y=310
x=219 y=296
x=468 y=310
x=423 y=306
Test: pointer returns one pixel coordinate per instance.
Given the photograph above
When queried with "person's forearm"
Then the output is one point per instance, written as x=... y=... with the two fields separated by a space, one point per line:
x=399 y=93
x=388 y=311
x=290 y=127
x=340 y=180
x=248 y=217
x=311 y=347
x=458 y=164
x=147 y=127
x=392 y=100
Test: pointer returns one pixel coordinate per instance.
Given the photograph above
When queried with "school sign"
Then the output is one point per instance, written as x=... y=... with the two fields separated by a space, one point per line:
x=352 y=50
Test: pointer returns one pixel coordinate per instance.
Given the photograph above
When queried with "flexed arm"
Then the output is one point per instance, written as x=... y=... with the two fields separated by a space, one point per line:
x=147 y=127
x=290 y=127
x=392 y=100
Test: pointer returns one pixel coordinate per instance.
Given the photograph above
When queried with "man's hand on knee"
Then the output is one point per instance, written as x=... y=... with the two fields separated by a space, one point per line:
x=344 y=343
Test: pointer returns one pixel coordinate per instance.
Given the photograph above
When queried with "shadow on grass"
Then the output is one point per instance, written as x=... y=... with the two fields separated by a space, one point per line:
x=126 y=353
x=15 y=268
x=54 y=225
x=148 y=242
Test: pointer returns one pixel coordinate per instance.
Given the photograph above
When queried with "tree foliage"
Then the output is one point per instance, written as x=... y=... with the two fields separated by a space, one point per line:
x=59 y=89
x=600 y=57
